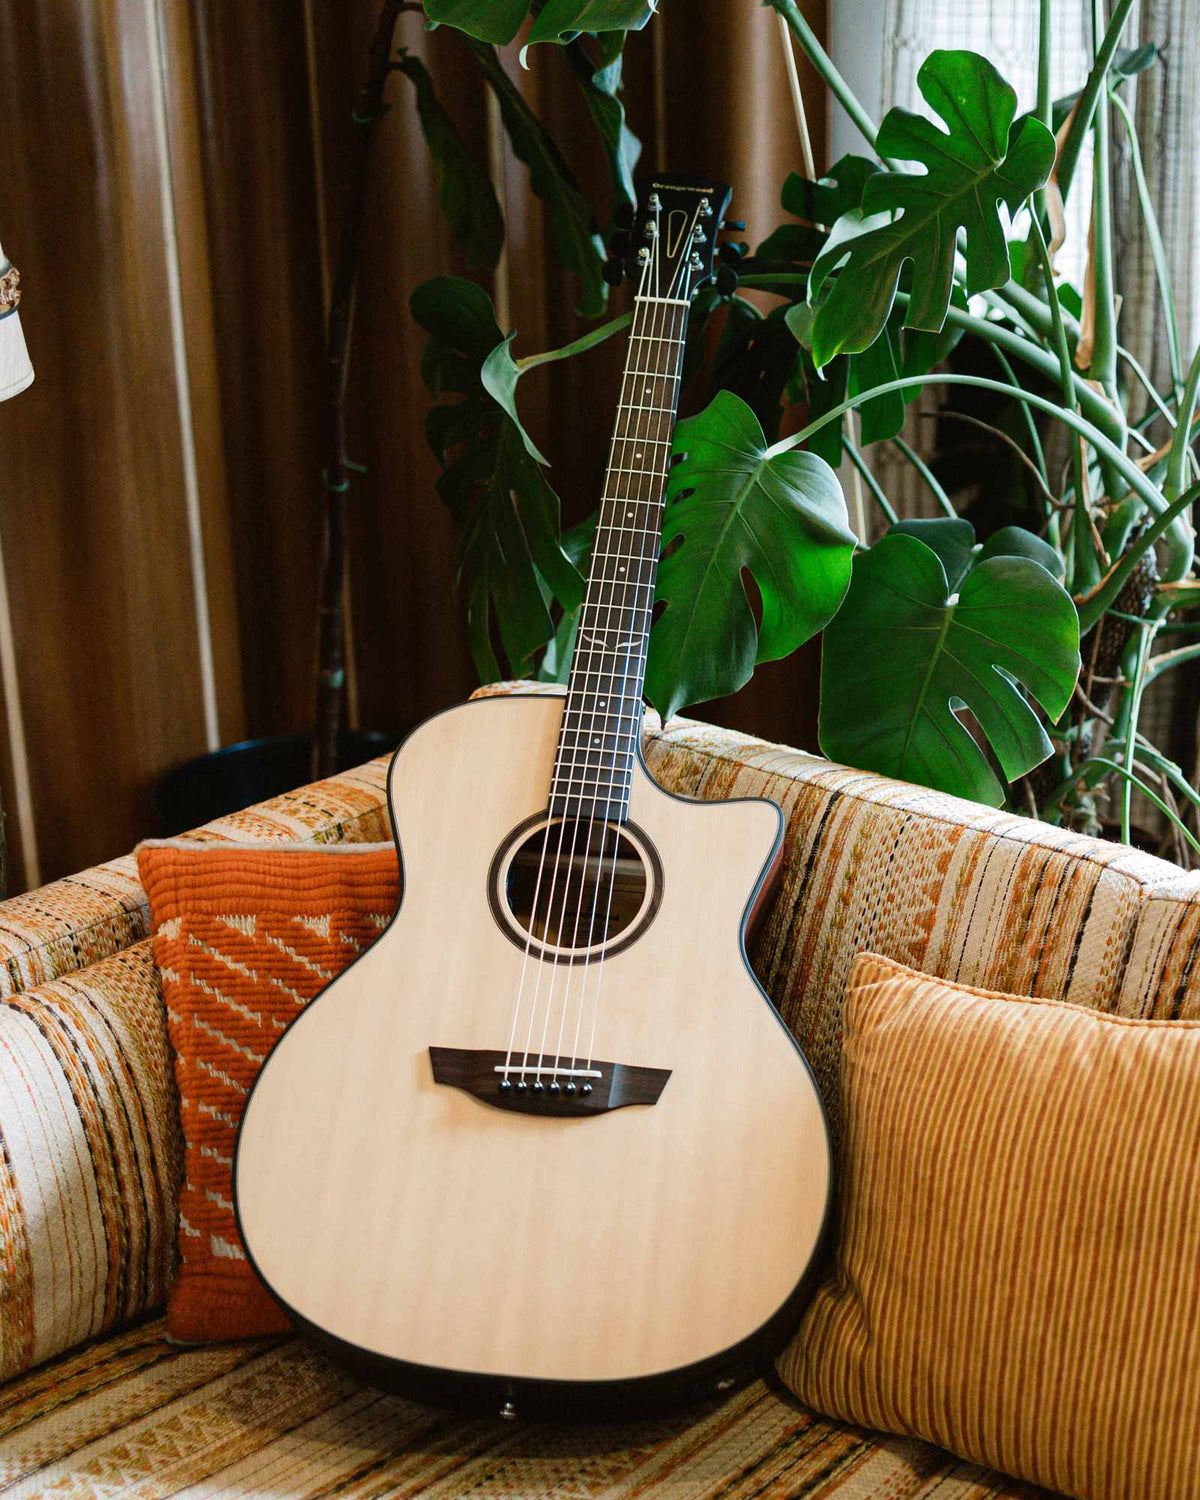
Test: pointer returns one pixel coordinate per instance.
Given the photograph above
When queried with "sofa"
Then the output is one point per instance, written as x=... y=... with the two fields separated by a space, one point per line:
x=97 y=1400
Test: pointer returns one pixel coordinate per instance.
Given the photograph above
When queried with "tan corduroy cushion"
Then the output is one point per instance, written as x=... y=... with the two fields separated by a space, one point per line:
x=1017 y=1271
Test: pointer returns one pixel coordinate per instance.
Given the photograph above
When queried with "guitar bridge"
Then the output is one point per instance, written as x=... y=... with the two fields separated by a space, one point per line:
x=547 y=1086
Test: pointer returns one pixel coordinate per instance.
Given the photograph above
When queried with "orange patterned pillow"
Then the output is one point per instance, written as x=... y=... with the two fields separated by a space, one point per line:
x=244 y=935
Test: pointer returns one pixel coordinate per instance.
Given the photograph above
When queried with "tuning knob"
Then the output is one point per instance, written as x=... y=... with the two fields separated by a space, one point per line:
x=732 y=224
x=727 y=281
x=614 y=271
x=731 y=253
x=620 y=243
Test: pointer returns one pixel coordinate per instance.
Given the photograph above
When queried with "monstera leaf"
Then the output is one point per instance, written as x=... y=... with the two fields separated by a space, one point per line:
x=818 y=203
x=572 y=234
x=486 y=20
x=905 y=651
x=510 y=556
x=981 y=159
x=601 y=85
x=893 y=353
x=736 y=506
x=467 y=196
x=562 y=20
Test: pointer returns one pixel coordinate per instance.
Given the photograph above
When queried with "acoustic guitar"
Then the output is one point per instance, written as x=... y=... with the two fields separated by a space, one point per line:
x=546 y=1146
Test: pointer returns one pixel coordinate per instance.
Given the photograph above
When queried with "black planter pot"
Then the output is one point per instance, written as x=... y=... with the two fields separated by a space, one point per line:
x=239 y=775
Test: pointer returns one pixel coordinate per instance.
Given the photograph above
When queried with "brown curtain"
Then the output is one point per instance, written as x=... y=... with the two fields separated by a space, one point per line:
x=172 y=178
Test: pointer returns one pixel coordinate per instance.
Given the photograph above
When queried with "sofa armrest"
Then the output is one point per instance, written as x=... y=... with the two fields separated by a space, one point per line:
x=89 y=1172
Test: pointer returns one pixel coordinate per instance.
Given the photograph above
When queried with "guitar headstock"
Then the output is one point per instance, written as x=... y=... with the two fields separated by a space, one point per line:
x=673 y=238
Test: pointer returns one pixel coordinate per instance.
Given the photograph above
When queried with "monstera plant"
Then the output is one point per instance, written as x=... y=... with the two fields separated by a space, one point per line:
x=1006 y=667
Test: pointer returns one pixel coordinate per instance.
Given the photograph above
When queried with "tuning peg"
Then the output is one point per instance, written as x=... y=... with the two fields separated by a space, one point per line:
x=727 y=281
x=732 y=224
x=614 y=271
x=620 y=243
x=623 y=216
x=731 y=253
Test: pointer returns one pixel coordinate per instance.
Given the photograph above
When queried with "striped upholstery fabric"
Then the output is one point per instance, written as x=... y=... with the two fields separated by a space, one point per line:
x=946 y=886
x=1017 y=1269
x=89 y=1128
x=137 y=1417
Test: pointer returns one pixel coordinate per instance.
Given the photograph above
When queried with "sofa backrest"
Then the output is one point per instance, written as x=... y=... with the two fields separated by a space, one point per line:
x=88 y=1114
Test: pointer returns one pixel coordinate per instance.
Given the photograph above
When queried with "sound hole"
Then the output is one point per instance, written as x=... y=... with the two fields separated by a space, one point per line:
x=577 y=884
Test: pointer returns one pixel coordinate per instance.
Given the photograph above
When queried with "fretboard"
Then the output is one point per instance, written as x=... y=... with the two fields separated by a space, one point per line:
x=601 y=724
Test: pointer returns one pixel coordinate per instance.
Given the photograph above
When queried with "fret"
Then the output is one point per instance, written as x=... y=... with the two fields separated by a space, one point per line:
x=643 y=531
x=613 y=802
x=601 y=713
x=676 y=301
x=612 y=746
x=633 y=406
x=614 y=764
x=626 y=557
x=622 y=647
x=588 y=789
x=613 y=740
x=653 y=338
x=623 y=628
x=611 y=681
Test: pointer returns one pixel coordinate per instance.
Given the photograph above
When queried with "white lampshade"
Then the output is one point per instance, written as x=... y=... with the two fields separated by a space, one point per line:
x=15 y=370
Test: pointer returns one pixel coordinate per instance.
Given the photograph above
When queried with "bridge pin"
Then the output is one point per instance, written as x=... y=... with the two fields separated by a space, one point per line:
x=587 y=1088
x=522 y=1086
x=539 y=1087
x=571 y=1088
x=505 y=1085
x=555 y=1087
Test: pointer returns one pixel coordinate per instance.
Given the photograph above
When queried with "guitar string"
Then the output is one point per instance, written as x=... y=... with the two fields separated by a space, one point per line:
x=600 y=632
x=618 y=559
x=649 y=473
x=684 y=277
x=561 y=764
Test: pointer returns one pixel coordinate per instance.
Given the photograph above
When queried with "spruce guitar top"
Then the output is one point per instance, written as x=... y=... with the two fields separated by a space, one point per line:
x=547 y=1146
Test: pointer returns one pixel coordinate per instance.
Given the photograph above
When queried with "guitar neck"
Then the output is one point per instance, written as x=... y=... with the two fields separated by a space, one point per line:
x=602 y=718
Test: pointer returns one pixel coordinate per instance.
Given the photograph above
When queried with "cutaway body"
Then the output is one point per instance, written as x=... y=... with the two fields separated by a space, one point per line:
x=557 y=1262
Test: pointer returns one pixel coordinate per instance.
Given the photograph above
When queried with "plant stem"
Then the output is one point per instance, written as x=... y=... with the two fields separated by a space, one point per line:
x=1035 y=441
x=1159 y=664
x=331 y=649
x=860 y=463
x=1044 y=107
x=1167 y=515
x=1145 y=641
x=927 y=474
x=1090 y=403
x=823 y=63
x=1085 y=571
x=1177 y=456
x=1104 y=343
x=1158 y=250
x=1068 y=157
x=1044 y=113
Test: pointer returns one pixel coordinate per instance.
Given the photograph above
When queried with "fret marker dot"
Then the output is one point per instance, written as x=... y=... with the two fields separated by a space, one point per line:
x=637 y=455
